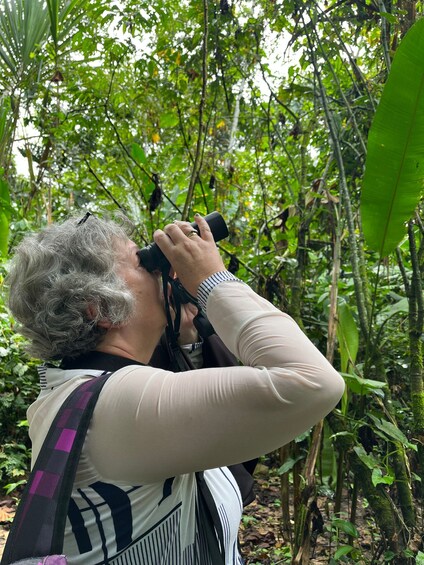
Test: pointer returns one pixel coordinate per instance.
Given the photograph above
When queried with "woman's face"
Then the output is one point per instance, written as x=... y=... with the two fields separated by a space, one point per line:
x=145 y=286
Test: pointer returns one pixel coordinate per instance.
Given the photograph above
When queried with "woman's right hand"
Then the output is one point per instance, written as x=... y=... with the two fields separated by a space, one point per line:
x=193 y=257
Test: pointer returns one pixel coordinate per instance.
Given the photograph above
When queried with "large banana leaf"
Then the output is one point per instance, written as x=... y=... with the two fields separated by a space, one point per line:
x=394 y=169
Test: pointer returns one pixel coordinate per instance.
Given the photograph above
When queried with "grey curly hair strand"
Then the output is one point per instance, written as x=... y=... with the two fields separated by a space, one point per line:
x=62 y=282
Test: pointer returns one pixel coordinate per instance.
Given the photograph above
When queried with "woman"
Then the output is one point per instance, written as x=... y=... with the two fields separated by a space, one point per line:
x=82 y=297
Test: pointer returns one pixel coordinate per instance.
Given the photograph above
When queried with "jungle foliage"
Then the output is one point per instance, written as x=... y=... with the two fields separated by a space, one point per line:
x=303 y=124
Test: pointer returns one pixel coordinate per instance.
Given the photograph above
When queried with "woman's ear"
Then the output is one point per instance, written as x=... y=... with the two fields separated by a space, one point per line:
x=92 y=314
x=105 y=324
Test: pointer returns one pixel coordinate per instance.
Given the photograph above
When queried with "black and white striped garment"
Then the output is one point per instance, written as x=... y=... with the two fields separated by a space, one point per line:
x=154 y=524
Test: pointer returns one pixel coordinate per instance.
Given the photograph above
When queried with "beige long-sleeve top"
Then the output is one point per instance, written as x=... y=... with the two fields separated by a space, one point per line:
x=150 y=424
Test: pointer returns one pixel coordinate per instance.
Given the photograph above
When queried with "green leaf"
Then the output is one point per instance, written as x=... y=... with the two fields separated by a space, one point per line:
x=369 y=460
x=168 y=120
x=389 y=17
x=420 y=558
x=138 y=153
x=4 y=234
x=4 y=216
x=401 y=306
x=53 y=8
x=347 y=334
x=5 y=204
x=13 y=486
x=358 y=385
x=391 y=432
x=343 y=550
x=394 y=169
x=345 y=526
x=4 y=118
x=23 y=30
x=289 y=464
x=377 y=477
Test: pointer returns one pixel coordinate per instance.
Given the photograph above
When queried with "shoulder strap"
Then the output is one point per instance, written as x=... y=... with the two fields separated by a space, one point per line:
x=39 y=524
x=209 y=521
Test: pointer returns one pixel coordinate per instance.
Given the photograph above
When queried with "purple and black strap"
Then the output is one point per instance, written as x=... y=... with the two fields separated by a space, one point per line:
x=39 y=524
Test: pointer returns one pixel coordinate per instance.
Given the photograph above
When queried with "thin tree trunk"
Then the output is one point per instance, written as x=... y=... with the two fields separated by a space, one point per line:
x=409 y=9
x=302 y=538
x=416 y=322
x=197 y=158
x=308 y=495
x=285 y=497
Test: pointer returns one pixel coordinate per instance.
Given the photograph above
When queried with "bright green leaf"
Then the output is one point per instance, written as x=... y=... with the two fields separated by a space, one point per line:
x=358 y=385
x=345 y=526
x=392 y=432
x=377 y=477
x=289 y=464
x=4 y=216
x=348 y=335
x=12 y=486
x=168 y=120
x=389 y=17
x=369 y=460
x=343 y=550
x=394 y=170
x=138 y=154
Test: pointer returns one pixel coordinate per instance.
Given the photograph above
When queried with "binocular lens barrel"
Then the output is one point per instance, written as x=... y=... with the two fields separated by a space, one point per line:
x=152 y=258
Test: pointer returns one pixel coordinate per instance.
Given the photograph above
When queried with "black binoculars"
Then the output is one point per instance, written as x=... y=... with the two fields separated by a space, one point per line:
x=152 y=258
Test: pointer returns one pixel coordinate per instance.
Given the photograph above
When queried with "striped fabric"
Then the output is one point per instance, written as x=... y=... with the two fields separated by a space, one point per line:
x=154 y=524
x=208 y=285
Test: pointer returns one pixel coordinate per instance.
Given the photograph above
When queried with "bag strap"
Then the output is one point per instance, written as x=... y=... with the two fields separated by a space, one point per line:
x=39 y=524
x=209 y=521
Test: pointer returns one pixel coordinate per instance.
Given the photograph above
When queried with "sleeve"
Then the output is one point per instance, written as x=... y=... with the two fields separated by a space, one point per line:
x=150 y=424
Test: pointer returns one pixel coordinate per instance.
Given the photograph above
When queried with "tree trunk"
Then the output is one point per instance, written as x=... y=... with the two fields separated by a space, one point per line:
x=409 y=8
x=416 y=323
x=285 y=497
x=302 y=537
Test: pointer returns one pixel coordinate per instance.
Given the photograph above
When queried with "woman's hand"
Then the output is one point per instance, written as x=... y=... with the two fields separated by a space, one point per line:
x=193 y=257
x=188 y=333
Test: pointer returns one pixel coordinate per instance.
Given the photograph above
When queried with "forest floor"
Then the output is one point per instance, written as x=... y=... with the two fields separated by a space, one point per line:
x=261 y=538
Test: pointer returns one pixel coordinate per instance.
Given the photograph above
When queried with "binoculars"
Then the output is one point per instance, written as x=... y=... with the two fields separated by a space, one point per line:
x=152 y=258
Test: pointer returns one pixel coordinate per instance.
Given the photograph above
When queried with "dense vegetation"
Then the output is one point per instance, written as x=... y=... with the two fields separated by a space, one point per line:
x=268 y=111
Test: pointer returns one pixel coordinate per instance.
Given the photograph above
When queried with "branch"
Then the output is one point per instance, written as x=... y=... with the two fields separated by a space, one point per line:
x=347 y=205
x=337 y=82
x=101 y=183
x=197 y=157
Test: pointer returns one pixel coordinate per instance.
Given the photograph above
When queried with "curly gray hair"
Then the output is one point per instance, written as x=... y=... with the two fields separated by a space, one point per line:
x=62 y=282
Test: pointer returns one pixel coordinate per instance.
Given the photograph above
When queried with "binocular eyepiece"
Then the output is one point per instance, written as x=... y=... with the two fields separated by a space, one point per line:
x=152 y=258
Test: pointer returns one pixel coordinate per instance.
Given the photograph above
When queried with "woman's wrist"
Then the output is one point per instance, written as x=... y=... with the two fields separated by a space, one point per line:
x=206 y=286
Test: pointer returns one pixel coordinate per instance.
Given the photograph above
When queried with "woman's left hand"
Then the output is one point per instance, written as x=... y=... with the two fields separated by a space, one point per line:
x=188 y=333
